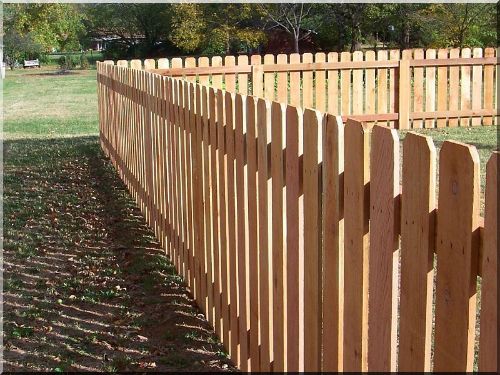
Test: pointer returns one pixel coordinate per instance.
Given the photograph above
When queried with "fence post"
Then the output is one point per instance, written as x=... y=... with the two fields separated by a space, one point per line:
x=257 y=81
x=404 y=94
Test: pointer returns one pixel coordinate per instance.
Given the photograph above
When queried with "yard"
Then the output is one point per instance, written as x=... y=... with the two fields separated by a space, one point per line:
x=86 y=285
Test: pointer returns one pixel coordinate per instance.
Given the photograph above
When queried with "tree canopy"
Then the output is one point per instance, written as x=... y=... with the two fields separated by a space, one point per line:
x=148 y=30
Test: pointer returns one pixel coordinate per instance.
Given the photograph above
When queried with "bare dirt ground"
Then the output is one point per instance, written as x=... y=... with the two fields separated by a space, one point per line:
x=86 y=285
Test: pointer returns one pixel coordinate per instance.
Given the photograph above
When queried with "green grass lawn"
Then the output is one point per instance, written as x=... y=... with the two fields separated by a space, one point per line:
x=44 y=103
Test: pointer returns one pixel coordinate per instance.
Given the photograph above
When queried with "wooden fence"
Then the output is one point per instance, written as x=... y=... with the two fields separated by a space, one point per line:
x=404 y=89
x=294 y=235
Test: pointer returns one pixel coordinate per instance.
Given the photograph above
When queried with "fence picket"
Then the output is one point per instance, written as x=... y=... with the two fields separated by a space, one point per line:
x=356 y=197
x=230 y=226
x=417 y=253
x=312 y=237
x=333 y=244
x=345 y=85
x=242 y=250
x=456 y=268
x=333 y=86
x=465 y=95
x=430 y=87
x=488 y=344
x=442 y=87
x=488 y=87
x=282 y=80
x=357 y=85
x=294 y=241
x=370 y=93
x=320 y=82
x=243 y=77
x=418 y=88
x=230 y=78
x=384 y=191
x=265 y=236
x=217 y=78
x=477 y=80
x=295 y=82
x=278 y=121
x=382 y=93
x=214 y=174
x=269 y=78
x=224 y=113
x=204 y=79
x=454 y=83
x=307 y=83
x=253 y=255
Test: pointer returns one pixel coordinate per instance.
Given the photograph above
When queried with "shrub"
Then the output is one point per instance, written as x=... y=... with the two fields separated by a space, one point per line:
x=84 y=62
x=66 y=62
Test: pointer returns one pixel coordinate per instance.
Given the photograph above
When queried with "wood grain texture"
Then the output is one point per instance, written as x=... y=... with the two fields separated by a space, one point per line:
x=295 y=82
x=294 y=242
x=307 y=83
x=217 y=78
x=417 y=252
x=226 y=104
x=488 y=86
x=394 y=55
x=312 y=239
x=345 y=85
x=465 y=87
x=418 y=88
x=430 y=87
x=442 y=88
x=243 y=77
x=488 y=344
x=265 y=236
x=240 y=213
x=384 y=190
x=357 y=85
x=282 y=81
x=382 y=85
x=252 y=231
x=320 y=82
x=333 y=86
x=456 y=265
x=356 y=250
x=477 y=80
x=333 y=243
x=215 y=117
x=454 y=86
x=278 y=127
x=370 y=93
x=230 y=78
x=269 y=92
x=204 y=79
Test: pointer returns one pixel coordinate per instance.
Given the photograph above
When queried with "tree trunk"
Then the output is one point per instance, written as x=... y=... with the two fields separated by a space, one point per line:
x=296 y=43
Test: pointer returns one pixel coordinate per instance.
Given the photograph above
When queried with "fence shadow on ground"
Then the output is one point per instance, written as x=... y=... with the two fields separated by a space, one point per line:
x=86 y=285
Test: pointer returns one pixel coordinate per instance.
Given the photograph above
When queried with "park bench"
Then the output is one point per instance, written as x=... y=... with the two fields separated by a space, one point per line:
x=31 y=64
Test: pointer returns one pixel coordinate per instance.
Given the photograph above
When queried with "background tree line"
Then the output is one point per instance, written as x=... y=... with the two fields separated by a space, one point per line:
x=149 y=30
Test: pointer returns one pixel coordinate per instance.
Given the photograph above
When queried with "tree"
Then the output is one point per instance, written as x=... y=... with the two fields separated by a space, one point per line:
x=52 y=26
x=461 y=25
x=19 y=47
x=140 y=28
x=298 y=20
x=216 y=28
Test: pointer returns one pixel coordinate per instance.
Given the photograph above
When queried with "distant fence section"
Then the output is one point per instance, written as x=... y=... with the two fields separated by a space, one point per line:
x=295 y=235
x=404 y=89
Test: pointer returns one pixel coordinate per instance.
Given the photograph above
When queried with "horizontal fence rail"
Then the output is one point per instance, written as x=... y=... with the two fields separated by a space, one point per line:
x=403 y=89
x=296 y=235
